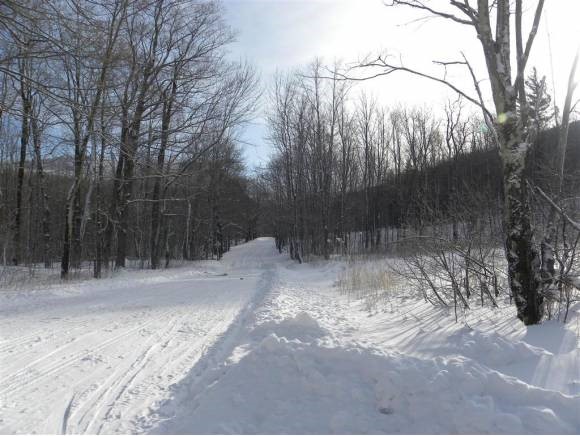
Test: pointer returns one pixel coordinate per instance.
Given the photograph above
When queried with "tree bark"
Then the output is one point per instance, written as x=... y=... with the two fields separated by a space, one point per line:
x=45 y=221
x=24 y=138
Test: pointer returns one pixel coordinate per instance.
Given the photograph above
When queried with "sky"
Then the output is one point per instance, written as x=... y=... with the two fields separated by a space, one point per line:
x=281 y=35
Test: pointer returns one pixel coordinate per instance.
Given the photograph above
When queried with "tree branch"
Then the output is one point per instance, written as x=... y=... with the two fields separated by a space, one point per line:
x=558 y=208
x=388 y=68
x=416 y=4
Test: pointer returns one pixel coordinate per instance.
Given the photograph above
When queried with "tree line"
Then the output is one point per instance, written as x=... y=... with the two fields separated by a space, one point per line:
x=346 y=166
x=118 y=122
x=352 y=176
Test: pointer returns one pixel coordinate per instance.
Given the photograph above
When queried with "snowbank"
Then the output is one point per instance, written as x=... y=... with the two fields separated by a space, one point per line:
x=286 y=385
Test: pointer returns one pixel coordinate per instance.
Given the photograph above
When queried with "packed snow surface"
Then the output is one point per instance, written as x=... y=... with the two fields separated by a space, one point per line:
x=97 y=357
x=258 y=344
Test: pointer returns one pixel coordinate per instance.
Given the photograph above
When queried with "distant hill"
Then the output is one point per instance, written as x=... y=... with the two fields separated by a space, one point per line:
x=481 y=187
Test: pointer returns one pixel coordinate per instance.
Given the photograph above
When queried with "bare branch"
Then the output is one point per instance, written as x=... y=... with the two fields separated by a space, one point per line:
x=558 y=209
x=416 y=4
x=389 y=68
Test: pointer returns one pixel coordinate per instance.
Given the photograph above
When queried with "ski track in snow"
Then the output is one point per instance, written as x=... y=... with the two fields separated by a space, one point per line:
x=197 y=351
x=99 y=359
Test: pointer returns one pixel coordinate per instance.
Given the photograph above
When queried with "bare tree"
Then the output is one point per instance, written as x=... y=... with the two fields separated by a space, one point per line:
x=511 y=127
x=118 y=102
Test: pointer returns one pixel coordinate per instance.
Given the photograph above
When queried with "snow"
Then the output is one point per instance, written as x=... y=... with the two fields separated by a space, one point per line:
x=96 y=357
x=281 y=351
x=290 y=386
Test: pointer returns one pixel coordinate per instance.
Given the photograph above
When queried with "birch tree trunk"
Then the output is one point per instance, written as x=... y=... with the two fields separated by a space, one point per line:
x=522 y=255
x=511 y=129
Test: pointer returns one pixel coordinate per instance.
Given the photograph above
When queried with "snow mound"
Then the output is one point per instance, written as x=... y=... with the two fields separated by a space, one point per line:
x=552 y=336
x=302 y=326
x=291 y=387
x=492 y=349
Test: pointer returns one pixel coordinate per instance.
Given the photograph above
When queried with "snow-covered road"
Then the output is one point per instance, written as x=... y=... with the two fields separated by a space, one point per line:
x=98 y=357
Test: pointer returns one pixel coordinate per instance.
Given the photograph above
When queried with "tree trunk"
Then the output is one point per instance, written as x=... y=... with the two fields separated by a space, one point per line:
x=522 y=256
x=99 y=230
x=71 y=239
x=24 y=138
x=156 y=207
x=45 y=223
x=129 y=150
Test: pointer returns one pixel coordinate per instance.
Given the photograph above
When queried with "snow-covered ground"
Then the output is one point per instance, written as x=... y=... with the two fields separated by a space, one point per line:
x=96 y=357
x=281 y=351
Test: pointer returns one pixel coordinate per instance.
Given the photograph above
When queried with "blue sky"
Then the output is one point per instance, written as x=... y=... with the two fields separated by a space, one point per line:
x=279 y=35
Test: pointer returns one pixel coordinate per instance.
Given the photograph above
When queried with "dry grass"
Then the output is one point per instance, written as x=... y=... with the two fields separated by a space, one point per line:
x=370 y=281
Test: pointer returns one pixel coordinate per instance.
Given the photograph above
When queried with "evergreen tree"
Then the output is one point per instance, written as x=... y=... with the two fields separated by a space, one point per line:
x=539 y=101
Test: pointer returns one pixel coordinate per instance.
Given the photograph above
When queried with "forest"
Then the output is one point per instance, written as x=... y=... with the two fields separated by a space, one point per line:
x=209 y=225
x=120 y=123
